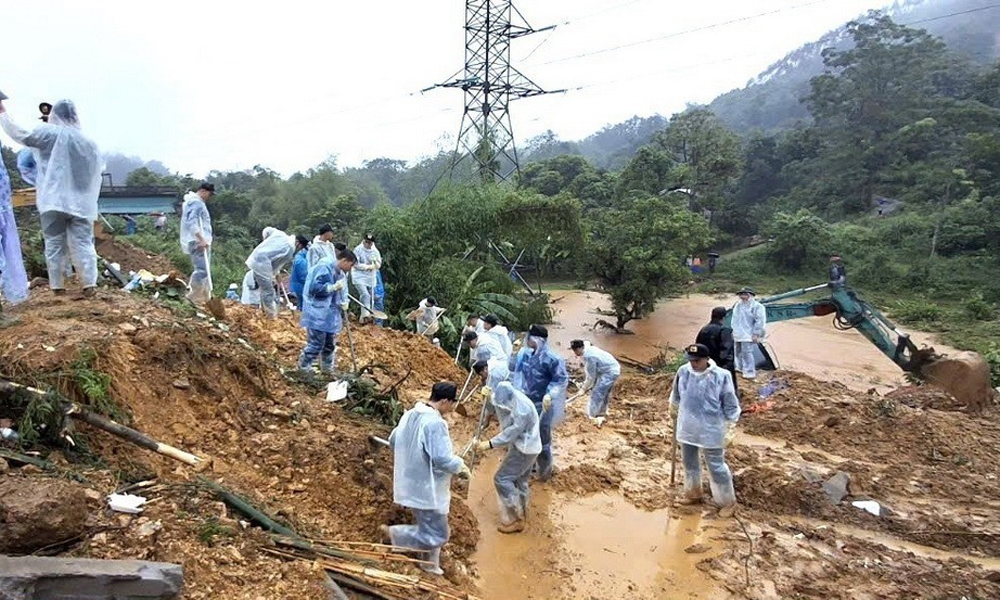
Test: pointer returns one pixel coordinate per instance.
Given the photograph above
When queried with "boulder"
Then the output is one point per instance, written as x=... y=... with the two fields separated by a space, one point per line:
x=38 y=578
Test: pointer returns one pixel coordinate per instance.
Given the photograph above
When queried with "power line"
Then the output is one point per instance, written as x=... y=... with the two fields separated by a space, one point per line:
x=954 y=14
x=685 y=32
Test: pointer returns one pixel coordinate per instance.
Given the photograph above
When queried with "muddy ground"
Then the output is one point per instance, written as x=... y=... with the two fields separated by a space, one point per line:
x=604 y=527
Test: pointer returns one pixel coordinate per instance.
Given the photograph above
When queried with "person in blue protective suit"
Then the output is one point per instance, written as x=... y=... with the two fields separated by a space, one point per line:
x=300 y=269
x=233 y=292
x=601 y=371
x=423 y=465
x=68 y=184
x=544 y=383
x=749 y=327
x=266 y=261
x=196 y=241
x=13 y=278
x=483 y=346
x=706 y=410
x=323 y=310
x=519 y=434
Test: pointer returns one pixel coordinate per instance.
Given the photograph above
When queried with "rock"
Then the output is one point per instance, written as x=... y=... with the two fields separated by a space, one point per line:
x=832 y=421
x=127 y=328
x=38 y=282
x=838 y=487
x=30 y=577
x=4 y=467
x=38 y=513
x=181 y=384
x=149 y=528
x=697 y=549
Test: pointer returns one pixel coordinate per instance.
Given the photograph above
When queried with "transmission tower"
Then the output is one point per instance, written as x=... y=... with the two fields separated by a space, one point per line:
x=490 y=83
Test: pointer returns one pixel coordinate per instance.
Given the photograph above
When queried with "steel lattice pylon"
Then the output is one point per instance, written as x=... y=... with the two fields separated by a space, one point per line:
x=490 y=83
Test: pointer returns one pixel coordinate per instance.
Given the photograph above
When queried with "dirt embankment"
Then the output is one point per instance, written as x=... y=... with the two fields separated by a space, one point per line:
x=218 y=391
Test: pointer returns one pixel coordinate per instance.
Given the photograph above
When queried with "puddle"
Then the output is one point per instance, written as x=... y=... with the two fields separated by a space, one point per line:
x=599 y=546
x=894 y=543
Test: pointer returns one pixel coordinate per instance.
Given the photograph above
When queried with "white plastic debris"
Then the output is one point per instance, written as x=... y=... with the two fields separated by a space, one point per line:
x=126 y=503
x=869 y=506
x=336 y=391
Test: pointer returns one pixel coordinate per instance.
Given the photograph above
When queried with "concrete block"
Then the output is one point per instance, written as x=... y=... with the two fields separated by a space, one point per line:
x=39 y=578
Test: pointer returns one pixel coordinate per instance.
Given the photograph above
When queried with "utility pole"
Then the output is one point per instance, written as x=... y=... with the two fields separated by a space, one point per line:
x=490 y=83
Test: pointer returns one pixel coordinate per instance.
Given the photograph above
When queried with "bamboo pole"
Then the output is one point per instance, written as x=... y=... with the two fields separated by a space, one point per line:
x=244 y=506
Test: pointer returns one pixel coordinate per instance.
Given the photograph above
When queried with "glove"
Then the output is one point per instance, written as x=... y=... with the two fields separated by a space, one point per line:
x=464 y=471
x=483 y=446
x=730 y=434
x=673 y=410
x=486 y=393
x=345 y=306
x=546 y=402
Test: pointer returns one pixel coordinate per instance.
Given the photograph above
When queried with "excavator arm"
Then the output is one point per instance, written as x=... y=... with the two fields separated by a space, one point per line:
x=851 y=312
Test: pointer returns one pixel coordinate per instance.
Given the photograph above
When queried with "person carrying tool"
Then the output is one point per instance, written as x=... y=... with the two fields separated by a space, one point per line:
x=322 y=246
x=544 y=383
x=491 y=325
x=706 y=409
x=300 y=269
x=196 y=241
x=719 y=340
x=519 y=433
x=426 y=316
x=491 y=373
x=324 y=306
x=749 y=323
x=483 y=347
x=363 y=274
x=601 y=371
x=266 y=261
x=423 y=464
x=69 y=182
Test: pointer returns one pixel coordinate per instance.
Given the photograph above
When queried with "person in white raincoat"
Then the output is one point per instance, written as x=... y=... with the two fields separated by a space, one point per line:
x=68 y=185
x=519 y=433
x=266 y=261
x=322 y=246
x=706 y=409
x=427 y=316
x=363 y=273
x=423 y=464
x=196 y=241
x=250 y=294
x=749 y=327
x=492 y=326
x=601 y=371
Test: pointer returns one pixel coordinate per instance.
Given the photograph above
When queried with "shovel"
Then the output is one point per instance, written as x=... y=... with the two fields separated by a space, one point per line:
x=429 y=325
x=375 y=312
x=350 y=340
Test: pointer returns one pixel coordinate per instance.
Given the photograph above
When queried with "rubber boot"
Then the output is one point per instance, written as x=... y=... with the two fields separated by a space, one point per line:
x=727 y=511
x=690 y=498
x=512 y=527
x=434 y=558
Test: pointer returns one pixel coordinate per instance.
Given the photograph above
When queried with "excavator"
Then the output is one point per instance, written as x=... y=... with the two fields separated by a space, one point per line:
x=966 y=376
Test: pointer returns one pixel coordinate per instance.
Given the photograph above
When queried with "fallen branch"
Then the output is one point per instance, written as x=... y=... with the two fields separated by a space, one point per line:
x=746 y=559
x=360 y=586
x=966 y=533
x=244 y=506
x=24 y=459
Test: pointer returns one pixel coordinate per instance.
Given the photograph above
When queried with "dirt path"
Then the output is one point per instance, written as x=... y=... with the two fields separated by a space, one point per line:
x=810 y=346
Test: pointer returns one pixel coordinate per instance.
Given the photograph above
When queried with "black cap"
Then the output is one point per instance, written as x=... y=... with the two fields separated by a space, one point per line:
x=697 y=351
x=340 y=246
x=538 y=331
x=431 y=301
x=444 y=390
x=575 y=344
x=369 y=237
x=469 y=336
x=208 y=187
x=746 y=290
x=719 y=312
x=325 y=228
x=45 y=108
x=491 y=319
x=479 y=365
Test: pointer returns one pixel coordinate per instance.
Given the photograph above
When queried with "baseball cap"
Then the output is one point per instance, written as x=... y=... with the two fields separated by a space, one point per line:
x=697 y=351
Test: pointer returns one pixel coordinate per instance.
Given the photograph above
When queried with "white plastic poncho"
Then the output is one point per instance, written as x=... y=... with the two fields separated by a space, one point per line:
x=749 y=319
x=706 y=402
x=518 y=420
x=276 y=251
x=423 y=460
x=251 y=293
x=194 y=219
x=497 y=372
x=502 y=336
x=597 y=362
x=69 y=163
x=318 y=250
x=369 y=261
x=488 y=348
x=427 y=319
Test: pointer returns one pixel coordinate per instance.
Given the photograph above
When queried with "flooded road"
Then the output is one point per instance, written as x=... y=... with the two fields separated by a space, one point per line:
x=810 y=346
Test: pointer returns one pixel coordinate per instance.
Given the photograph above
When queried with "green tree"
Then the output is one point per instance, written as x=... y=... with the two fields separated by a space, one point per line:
x=800 y=239
x=637 y=250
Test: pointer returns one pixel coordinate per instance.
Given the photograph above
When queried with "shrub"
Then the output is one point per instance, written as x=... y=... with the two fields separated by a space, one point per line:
x=917 y=311
x=977 y=308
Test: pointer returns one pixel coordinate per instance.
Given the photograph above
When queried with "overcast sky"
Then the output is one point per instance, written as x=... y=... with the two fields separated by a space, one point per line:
x=207 y=84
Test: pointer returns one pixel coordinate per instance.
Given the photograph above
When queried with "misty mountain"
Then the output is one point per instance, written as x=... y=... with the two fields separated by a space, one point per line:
x=772 y=99
x=119 y=166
